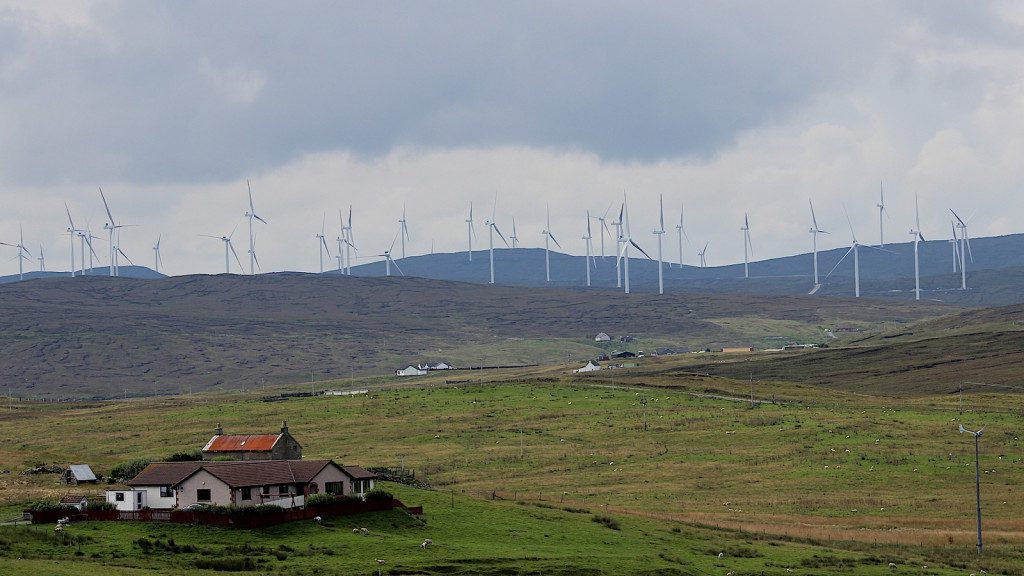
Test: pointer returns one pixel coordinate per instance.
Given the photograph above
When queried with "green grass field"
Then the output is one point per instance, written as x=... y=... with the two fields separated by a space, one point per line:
x=857 y=479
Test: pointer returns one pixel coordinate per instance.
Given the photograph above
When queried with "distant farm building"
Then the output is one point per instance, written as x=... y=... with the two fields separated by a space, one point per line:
x=735 y=349
x=280 y=446
x=626 y=354
x=410 y=370
x=664 y=351
x=626 y=339
x=590 y=367
x=437 y=366
x=602 y=337
x=78 y=474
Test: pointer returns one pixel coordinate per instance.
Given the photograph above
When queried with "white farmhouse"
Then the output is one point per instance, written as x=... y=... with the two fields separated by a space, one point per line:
x=590 y=367
x=410 y=370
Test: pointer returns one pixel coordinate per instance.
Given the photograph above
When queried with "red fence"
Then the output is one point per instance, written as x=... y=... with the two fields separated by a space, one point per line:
x=235 y=520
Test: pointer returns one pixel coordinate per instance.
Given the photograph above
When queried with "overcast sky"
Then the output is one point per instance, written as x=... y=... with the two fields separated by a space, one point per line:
x=721 y=107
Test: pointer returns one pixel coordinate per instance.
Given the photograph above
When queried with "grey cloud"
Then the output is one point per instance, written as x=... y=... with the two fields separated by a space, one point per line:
x=193 y=91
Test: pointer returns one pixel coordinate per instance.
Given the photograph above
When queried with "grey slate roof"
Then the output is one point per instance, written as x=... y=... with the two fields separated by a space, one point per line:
x=82 y=472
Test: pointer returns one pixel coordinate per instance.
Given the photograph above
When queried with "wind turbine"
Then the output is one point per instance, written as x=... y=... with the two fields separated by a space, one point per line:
x=322 y=244
x=229 y=249
x=856 y=260
x=586 y=238
x=157 y=260
x=702 y=253
x=114 y=230
x=72 y=231
x=965 y=249
x=42 y=259
x=956 y=248
x=88 y=236
x=746 y=244
x=814 y=239
x=22 y=250
x=492 y=227
x=918 y=237
x=121 y=252
x=881 y=211
x=618 y=242
x=251 y=215
x=659 y=232
x=548 y=235
x=628 y=241
x=388 y=261
x=681 y=232
x=403 y=231
x=470 y=230
x=604 y=228
x=341 y=240
x=349 y=241
x=513 y=237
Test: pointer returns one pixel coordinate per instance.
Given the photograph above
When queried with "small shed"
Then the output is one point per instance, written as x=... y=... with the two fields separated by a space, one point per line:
x=78 y=474
x=77 y=501
x=602 y=337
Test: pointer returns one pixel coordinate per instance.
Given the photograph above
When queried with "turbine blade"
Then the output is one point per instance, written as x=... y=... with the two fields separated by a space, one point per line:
x=814 y=220
x=552 y=236
x=588 y=224
x=71 y=223
x=395 y=264
x=500 y=235
x=252 y=209
x=839 y=262
x=258 y=218
x=109 y=215
x=661 y=212
x=637 y=246
x=121 y=252
x=962 y=223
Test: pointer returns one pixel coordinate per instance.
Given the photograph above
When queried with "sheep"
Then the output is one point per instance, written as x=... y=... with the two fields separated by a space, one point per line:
x=720 y=555
x=892 y=565
x=355 y=530
x=364 y=531
x=379 y=561
x=426 y=543
x=318 y=519
x=58 y=528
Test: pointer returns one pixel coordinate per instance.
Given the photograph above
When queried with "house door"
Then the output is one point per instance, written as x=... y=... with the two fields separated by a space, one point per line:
x=138 y=500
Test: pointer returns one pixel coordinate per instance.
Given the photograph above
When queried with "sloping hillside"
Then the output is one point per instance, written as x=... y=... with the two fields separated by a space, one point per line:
x=101 y=336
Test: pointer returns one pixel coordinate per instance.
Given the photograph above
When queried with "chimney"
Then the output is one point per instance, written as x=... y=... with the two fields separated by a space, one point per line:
x=284 y=427
x=218 y=431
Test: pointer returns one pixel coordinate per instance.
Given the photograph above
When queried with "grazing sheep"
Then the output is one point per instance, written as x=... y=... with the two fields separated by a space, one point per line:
x=720 y=554
x=364 y=531
x=379 y=561
x=892 y=565
x=426 y=543
x=58 y=528
x=318 y=519
x=355 y=530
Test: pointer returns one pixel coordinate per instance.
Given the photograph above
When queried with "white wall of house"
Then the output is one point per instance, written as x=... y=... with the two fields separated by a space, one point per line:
x=188 y=490
x=331 y=474
x=127 y=500
x=155 y=500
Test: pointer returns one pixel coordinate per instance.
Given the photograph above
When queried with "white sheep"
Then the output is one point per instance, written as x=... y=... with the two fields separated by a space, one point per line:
x=720 y=554
x=892 y=565
x=379 y=561
x=355 y=530
x=318 y=519
x=364 y=531
x=426 y=543
x=58 y=528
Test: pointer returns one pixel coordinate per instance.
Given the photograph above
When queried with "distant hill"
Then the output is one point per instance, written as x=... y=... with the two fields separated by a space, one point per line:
x=883 y=274
x=123 y=271
x=97 y=336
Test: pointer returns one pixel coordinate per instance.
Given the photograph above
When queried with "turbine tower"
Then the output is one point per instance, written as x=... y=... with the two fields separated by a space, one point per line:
x=618 y=242
x=350 y=241
x=965 y=249
x=322 y=244
x=513 y=237
x=492 y=227
x=604 y=228
x=388 y=261
x=918 y=237
x=681 y=232
x=251 y=215
x=856 y=260
x=403 y=231
x=547 y=236
x=702 y=253
x=72 y=231
x=157 y=260
x=659 y=232
x=470 y=230
x=42 y=259
x=881 y=211
x=586 y=238
x=815 y=230
x=341 y=241
x=955 y=240
x=746 y=244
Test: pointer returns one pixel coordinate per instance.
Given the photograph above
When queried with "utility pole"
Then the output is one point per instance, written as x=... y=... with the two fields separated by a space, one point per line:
x=643 y=402
x=977 y=474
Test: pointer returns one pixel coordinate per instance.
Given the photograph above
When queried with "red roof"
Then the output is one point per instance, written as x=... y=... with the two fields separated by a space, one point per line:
x=242 y=443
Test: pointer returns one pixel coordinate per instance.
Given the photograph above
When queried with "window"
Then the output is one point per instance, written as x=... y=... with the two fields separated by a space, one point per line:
x=166 y=492
x=265 y=491
x=119 y=496
x=246 y=493
x=203 y=495
x=284 y=489
x=335 y=488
